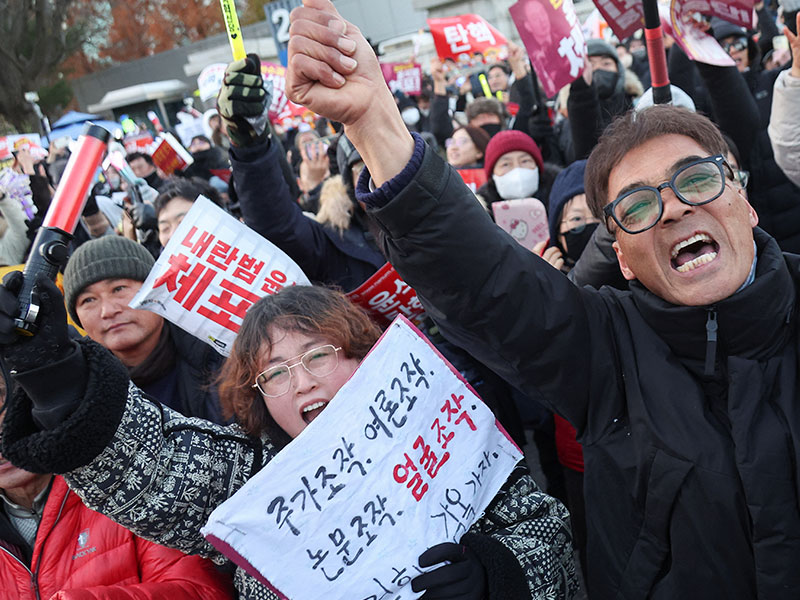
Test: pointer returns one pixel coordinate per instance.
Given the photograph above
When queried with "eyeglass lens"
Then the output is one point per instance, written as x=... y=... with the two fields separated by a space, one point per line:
x=319 y=362
x=694 y=184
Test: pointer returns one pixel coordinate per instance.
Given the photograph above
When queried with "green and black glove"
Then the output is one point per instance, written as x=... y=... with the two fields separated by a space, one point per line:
x=244 y=100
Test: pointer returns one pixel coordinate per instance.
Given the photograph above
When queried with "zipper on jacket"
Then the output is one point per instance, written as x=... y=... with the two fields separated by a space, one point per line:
x=34 y=586
x=711 y=340
x=35 y=578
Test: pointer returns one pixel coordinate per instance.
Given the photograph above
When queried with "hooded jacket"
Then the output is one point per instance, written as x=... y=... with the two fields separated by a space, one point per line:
x=79 y=554
x=691 y=479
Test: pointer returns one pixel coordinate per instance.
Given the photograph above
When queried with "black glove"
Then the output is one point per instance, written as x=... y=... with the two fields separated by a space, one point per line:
x=243 y=102
x=143 y=216
x=51 y=343
x=463 y=579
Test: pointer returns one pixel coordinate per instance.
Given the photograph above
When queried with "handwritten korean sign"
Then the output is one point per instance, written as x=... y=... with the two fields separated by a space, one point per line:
x=553 y=37
x=405 y=77
x=462 y=36
x=213 y=269
x=385 y=295
x=404 y=457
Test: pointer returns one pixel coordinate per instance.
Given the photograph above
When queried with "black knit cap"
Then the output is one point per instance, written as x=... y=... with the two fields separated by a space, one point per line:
x=109 y=257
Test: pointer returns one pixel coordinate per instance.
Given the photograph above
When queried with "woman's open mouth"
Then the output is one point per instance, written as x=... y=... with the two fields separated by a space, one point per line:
x=312 y=411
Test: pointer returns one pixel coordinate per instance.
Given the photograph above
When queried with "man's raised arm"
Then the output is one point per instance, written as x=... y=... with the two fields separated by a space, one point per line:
x=334 y=72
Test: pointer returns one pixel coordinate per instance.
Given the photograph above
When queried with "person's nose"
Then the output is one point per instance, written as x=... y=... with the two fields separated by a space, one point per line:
x=674 y=208
x=303 y=381
x=109 y=308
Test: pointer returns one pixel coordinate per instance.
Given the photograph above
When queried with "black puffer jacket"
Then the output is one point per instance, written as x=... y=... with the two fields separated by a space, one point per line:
x=691 y=480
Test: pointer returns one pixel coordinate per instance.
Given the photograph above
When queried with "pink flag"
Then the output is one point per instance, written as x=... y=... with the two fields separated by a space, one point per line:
x=462 y=36
x=553 y=38
x=735 y=11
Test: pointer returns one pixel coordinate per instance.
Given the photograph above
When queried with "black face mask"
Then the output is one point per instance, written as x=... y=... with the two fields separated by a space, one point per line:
x=492 y=128
x=576 y=240
x=605 y=82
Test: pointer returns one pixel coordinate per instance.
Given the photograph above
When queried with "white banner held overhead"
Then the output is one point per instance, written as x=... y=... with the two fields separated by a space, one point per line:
x=405 y=457
x=213 y=269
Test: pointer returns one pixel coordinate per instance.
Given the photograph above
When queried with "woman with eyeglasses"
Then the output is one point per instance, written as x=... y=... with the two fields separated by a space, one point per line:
x=466 y=147
x=161 y=474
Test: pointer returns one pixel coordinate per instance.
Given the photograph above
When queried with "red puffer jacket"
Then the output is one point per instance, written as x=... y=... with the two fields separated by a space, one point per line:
x=82 y=555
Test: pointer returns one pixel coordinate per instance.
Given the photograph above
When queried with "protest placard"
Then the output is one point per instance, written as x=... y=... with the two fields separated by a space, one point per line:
x=623 y=16
x=697 y=44
x=736 y=11
x=213 y=269
x=462 y=36
x=553 y=38
x=12 y=143
x=209 y=81
x=169 y=155
x=404 y=457
x=403 y=77
x=385 y=295
x=525 y=219
x=474 y=178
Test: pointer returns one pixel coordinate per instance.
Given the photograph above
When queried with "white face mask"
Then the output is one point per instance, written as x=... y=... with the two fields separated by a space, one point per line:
x=519 y=182
x=410 y=116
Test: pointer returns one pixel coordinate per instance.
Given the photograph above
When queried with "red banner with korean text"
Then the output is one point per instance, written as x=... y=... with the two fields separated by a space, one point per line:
x=385 y=295
x=404 y=77
x=474 y=178
x=462 y=36
x=552 y=36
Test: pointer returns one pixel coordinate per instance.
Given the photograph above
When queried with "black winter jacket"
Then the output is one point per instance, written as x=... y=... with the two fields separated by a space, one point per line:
x=691 y=481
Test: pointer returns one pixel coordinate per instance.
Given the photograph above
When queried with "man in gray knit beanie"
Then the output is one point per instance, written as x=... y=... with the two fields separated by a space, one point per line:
x=101 y=278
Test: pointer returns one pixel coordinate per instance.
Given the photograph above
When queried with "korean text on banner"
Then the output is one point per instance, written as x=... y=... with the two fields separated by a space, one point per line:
x=460 y=37
x=404 y=77
x=697 y=44
x=213 y=269
x=623 y=16
x=405 y=457
x=385 y=295
x=553 y=37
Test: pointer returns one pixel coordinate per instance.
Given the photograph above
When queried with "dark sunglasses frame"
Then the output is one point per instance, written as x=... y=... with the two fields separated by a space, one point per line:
x=717 y=160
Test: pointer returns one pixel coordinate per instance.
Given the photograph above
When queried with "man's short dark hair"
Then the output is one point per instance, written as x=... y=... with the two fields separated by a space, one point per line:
x=630 y=131
x=182 y=187
x=484 y=105
x=134 y=155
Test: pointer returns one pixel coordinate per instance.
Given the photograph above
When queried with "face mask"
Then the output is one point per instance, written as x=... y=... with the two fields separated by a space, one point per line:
x=425 y=111
x=627 y=60
x=576 y=241
x=410 y=116
x=605 y=82
x=491 y=128
x=517 y=183
x=639 y=53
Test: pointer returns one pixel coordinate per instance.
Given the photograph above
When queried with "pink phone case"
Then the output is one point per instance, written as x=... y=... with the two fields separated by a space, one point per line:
x=525 y=220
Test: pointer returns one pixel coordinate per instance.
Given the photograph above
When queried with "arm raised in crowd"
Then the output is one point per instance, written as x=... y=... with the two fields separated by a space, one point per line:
x=438 y=238
x=784 y=125
x=441 y=122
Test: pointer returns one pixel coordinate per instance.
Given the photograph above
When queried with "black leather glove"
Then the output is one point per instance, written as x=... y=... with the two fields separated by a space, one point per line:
x=143 y=216
x=463 y=579
x=243 y=102
x=51 y=343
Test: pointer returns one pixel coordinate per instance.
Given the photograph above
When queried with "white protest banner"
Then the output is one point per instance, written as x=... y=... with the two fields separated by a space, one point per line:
x=405 y=457
x=213 y=269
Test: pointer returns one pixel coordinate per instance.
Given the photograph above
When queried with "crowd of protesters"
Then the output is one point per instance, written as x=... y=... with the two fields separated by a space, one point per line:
x=646 y=348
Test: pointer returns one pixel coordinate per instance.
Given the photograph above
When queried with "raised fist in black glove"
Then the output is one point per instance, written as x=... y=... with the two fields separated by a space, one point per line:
x=244 y=100
x=51 y=343
x=463 y=579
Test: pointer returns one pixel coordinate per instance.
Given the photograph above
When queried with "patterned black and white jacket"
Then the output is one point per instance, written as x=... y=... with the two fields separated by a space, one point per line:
x=161 y=474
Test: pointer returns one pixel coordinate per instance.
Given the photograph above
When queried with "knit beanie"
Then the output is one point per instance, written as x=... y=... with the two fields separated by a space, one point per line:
x=567 y=185
x=509 y=141
x=108 y=257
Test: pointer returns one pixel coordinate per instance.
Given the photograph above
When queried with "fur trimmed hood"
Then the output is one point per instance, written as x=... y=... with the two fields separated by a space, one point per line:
x=335 y=207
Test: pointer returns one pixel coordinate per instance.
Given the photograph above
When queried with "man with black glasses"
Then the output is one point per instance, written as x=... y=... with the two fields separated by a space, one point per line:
x=683 y=390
